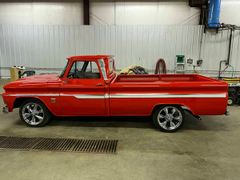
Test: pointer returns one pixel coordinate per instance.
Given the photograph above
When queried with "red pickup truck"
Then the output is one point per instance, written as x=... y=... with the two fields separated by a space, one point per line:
x=89 y=86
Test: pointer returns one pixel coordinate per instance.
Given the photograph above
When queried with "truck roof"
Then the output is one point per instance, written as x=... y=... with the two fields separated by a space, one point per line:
x=89 y=57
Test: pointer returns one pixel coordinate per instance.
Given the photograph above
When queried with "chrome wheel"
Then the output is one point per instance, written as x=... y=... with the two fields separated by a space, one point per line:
x=170 y=118
x=33 y=113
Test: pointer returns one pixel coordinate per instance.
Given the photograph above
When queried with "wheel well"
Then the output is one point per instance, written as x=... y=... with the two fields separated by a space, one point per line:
x=161 y=105
x=19 y=101
x=183 y=107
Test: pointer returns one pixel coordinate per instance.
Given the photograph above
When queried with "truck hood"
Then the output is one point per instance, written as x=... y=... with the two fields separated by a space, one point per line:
x=40 y=78
x=36 y=81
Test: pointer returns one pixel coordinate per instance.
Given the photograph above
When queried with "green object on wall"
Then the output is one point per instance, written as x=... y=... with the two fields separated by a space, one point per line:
x=180 y=58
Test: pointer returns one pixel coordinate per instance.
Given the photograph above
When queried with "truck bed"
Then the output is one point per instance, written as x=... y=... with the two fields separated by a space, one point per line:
x=202 y=95
x=162 y=78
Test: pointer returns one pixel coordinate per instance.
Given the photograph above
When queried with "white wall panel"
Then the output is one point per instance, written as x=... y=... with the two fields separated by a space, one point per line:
x=169 y=12
x=111 y=12
x=41 y=13
x=40 y=46
x=230 y=12
x=215 y=48
x=138 y=13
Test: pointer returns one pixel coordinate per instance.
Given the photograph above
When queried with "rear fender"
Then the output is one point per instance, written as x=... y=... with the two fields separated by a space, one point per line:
x=184 y=107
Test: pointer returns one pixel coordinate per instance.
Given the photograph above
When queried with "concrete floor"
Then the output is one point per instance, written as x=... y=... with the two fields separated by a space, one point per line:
x=207 y=149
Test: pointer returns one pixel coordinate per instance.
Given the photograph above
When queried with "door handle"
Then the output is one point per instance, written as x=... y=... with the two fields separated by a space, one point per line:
x=99 y=84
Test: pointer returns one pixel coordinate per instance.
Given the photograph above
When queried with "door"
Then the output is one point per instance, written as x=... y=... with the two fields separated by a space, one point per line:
x=83 y=90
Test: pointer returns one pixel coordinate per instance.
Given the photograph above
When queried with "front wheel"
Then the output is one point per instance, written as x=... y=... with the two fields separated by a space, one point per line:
x=34 y=113
x=168 y=118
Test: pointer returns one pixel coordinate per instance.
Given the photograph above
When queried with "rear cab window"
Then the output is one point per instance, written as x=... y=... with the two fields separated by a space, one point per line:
x=111 y=66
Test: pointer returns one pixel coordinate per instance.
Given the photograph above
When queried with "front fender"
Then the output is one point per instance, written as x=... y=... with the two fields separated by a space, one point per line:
x=8 y=101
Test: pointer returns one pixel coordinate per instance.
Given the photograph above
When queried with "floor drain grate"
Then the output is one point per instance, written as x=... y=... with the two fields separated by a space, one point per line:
x=58 y=144
x=2 y=138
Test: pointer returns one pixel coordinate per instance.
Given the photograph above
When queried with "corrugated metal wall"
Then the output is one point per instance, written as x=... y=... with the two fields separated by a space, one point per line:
x=215 y=48
x=41 y=46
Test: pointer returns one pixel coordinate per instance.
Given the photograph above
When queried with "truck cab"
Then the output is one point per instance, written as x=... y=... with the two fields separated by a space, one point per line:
x=85 y=85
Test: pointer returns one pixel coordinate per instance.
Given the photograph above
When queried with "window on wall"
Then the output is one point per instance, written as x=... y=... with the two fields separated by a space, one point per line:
x=84 y=70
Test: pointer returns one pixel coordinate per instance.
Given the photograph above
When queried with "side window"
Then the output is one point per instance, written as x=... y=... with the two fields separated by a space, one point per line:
x=84 y=70
x=77 y=66
x=92 y=67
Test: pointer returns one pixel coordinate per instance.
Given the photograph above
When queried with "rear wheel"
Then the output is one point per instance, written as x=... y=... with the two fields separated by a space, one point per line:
x=168 y=118
x=34 y=113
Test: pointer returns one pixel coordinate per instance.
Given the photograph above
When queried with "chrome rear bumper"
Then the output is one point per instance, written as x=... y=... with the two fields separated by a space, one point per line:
x=5 y=109
x=227 y=112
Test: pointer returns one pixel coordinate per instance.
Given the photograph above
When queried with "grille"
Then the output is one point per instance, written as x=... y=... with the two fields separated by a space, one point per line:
x=58 y=144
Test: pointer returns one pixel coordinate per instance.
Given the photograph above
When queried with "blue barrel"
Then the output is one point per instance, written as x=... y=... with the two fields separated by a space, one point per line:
x=214 y=13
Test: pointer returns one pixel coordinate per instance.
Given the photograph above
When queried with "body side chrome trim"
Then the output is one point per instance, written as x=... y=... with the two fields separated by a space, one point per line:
x=167 y=95
x=128 y=95
x=31 y=95
x=84 y=96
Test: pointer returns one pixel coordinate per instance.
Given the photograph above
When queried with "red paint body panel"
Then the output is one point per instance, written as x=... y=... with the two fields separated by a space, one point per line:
x=131 y=95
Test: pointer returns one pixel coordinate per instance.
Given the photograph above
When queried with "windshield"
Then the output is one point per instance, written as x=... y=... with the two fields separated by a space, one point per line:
x=64 y=69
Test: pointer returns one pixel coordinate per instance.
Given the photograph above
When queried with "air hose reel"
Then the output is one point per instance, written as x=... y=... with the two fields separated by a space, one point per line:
x=160 y=67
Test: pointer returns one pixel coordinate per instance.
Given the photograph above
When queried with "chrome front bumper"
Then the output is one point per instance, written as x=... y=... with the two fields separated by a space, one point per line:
x=5 y=109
